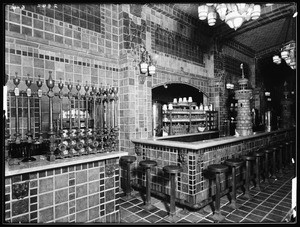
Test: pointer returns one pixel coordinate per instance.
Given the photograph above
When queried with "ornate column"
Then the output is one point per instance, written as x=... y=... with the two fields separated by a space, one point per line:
x=286 y=112
x=243 y=96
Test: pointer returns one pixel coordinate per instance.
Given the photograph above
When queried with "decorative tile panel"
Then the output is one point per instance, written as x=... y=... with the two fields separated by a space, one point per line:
x=83 y=200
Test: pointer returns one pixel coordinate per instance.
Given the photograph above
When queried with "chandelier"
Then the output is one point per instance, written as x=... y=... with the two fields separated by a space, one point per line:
x=288 y=50
x=287 y=53
x=234 y=14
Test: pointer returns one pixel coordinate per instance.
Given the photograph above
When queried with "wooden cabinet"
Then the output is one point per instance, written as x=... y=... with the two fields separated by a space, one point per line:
x=187 y=118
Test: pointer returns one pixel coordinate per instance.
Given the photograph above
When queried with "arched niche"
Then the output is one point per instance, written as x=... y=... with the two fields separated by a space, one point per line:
x=165 y=93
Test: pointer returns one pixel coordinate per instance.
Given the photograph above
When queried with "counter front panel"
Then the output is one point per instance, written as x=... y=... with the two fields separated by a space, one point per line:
x=192 y=186
x=86 y=191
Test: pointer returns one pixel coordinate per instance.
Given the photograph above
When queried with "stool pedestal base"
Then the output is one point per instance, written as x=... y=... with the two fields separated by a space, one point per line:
x=184 y=212
x=148 y=207
x=234 y=205
x=172 y=218
x=218 y=217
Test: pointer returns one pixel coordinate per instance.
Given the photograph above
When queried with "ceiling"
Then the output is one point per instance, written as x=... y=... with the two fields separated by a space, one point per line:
x=263 y=36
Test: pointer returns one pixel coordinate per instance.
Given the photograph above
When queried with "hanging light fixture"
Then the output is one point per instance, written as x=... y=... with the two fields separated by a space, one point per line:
x=234 y=14
x=146 y=66
x=22 y=7
x=288 y=51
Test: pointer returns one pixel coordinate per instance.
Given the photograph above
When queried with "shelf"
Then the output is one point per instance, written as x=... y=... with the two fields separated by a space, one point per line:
x=186 y=120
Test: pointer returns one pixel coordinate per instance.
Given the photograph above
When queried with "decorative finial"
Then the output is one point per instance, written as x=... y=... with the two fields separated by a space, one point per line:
x=242 y=68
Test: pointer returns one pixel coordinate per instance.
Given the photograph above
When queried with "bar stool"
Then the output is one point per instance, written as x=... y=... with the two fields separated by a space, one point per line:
x=274 y=149
x=292 y=152
x=172 y=170
x=128 y=160
x=148 y=164
x=267 y=152
x=286 y=155
x=248 y=159
x=217 y=169
x=234 y=164
x=258 y=156
x=281 y=148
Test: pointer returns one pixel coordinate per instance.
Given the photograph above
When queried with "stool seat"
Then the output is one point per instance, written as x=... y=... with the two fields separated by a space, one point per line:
x=128 y=158
x=268 y=150
x=148 y=163
x=248 y=157
x=172 y=169
x=258 y=154
x=218 y=168
x=274 y=148
x=234 y=162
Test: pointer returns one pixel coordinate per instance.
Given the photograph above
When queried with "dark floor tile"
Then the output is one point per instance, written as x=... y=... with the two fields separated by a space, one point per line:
x=276 y=196
x=132 y=218
x=282 y=208
x=266 y=220
x=240 y=213
x=155 y=209
x=254 y=200
x=274 y=217
x=263 y=208
x=245 y=208
x=126 y=205
x=267 y=204
x=254 y=217
x=272 y=200
x=134 y=209
x=227 y=208
x=183 y=221
x=162 y=221
x=152 y=218
x=246 y=220
x=226 y=221
x=162 y=213
x=259 y=212
x=234 y=218
x=122 y=200
x=250 y=204
x=285 y=204
x=136 y=201
x=263 y=197
x=204 y=220
x=143 y=213
x=278 y=213
x=142 y=220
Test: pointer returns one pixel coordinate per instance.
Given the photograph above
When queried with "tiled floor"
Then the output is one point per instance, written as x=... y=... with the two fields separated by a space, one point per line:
x=270 y=205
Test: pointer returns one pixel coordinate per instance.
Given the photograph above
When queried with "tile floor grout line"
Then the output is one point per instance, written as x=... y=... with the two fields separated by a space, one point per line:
x=264 y=217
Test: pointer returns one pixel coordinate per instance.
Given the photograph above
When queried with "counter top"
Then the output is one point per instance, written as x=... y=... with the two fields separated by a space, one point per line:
x=42 y=163
x=203 y=143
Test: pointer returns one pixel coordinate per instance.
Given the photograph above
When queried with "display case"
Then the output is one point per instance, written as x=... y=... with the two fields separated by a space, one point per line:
x=183 y=118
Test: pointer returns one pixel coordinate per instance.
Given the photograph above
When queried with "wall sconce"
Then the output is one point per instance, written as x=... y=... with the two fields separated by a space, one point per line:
x=229 y=86
x=267 y=94
x=146 y=66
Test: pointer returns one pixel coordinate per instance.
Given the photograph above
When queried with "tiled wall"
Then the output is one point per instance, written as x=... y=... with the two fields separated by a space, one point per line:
x=100 y=44
x=86 y=192
x=192 y=185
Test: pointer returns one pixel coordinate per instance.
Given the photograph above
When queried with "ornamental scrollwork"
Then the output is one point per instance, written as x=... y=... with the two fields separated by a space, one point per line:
x=182 y=157
x=110 y=169
x=138 y=149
